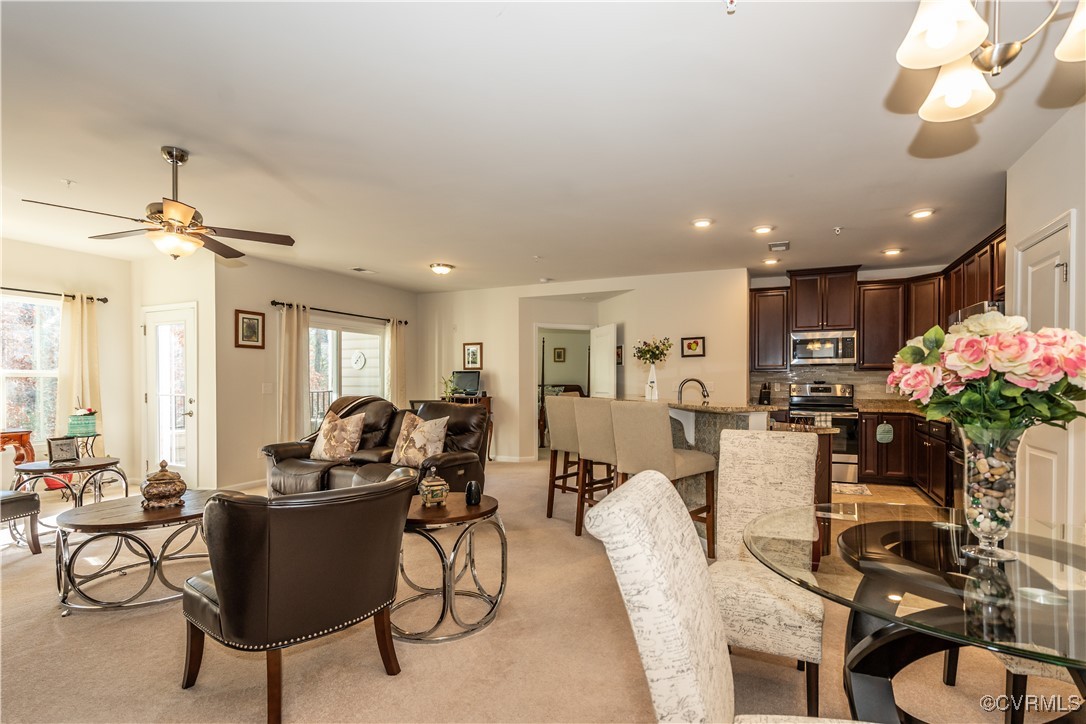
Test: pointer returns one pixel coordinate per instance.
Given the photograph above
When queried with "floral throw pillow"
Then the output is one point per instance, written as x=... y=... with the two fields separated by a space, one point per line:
x=338 y=437
x=419 y=439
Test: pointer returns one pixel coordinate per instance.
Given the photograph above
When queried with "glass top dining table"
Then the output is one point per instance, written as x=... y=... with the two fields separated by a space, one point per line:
x=914 y=593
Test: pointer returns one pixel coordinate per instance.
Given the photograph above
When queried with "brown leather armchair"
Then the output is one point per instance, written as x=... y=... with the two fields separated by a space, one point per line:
x=265 y=592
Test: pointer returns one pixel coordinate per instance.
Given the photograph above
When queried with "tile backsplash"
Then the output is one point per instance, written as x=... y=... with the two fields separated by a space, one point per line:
x=870 y=385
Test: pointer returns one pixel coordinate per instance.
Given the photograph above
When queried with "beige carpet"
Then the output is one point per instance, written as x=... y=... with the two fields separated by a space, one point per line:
x=560 y=650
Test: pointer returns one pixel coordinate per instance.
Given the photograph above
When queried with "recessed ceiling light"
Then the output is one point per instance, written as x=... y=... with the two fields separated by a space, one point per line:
x=921 y=213
x=895 y=597
x=771 y=261
x=702 y=223
x=362 y=270
x=891 y=252
x=441 y=268
x=763 y=229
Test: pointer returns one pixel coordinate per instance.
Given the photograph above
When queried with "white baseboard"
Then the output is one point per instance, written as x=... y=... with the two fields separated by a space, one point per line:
x=514 y=459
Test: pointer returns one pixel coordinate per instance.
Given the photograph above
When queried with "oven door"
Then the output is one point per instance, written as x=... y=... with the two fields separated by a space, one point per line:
x=846 y=447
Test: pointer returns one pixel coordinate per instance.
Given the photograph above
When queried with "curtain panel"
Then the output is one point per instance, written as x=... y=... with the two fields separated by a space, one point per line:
x=293 y=373
x=77 y=374
x=396 y=363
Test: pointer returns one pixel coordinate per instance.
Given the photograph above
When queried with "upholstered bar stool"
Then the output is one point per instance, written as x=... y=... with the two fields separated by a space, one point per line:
x=595 y=446
x=643 y=442
x=562 y=424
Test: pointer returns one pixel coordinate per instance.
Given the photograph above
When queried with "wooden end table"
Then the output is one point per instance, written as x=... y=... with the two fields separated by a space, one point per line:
x=456 y=513
x=123 y=519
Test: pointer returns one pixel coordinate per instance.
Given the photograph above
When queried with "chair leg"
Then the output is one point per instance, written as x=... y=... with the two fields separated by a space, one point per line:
x=583 y=470
x=812 y=688
x=382 y=626
x=565 y=469
x=1016 y=693
x=710 y=513
x=32 y=534
x=275 y=686
x=950 y=667
x=551 y=483
x=194 y=655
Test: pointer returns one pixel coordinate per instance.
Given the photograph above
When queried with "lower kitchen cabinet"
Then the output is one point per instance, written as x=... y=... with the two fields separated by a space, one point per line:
x=889 y=461
x=930 y=459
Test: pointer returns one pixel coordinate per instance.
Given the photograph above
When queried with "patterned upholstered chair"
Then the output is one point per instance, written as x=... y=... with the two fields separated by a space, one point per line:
x=662 y=574
x=562 y=425
x=643 y=442
x=761 y=472
x=595 y=446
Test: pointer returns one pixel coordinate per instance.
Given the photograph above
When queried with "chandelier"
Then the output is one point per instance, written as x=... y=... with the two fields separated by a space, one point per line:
x=952 y=35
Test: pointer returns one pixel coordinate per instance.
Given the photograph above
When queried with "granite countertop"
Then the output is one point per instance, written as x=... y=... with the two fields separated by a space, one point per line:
x=710 y=407
x=888 y=405
x=784 y=427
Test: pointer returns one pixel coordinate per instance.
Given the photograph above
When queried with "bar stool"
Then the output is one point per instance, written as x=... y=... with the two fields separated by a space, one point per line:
x=562 y=425
x=643 y=442
x=595 y=446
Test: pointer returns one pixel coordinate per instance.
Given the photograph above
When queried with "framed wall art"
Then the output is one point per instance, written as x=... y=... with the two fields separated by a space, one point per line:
x=248 y=329
x=618 y=356
x=693 y=346
x=559 y=354
x=473 y=355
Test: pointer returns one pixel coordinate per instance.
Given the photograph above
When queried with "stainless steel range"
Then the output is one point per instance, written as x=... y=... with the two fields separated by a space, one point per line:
x=831 y=405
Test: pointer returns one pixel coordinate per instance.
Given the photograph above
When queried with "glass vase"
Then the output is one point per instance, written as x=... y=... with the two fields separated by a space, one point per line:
x=991 y=463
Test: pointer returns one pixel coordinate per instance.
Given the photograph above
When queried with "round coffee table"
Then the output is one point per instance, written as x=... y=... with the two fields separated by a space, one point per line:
x=92 y=470
x=456 y=513
x=123 y=519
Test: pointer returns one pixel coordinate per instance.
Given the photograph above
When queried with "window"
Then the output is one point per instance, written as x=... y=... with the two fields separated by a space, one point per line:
x=345 y=358
x=29 y=358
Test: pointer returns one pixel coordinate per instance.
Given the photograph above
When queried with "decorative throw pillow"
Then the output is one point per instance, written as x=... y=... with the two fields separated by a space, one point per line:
x=338 y=437
x=419 y=439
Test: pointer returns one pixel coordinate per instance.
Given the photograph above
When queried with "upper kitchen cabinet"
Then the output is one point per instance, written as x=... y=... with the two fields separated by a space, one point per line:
x=978 y=277
x=823 y=299
x=925 y=305
x=953 y=291
x=999 y=268
x=769 y=330
x=882 y=328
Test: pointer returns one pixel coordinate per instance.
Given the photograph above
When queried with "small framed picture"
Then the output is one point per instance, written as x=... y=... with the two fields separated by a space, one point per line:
x=618 y=356
x=559 y=354
x=63 y=450
x=693 y=346
x=248 y=329
x=473 y=355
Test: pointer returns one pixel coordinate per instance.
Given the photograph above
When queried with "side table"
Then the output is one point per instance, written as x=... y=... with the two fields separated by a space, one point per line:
x=93 y=470
x=20 y=440
x=456 y=513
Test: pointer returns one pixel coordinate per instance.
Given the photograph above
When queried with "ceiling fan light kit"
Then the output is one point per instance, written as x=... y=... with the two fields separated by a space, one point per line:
x=952 y=35
x=177 y=229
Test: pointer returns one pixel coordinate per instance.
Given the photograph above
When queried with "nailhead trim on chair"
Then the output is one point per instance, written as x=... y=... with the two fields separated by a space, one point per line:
x=288 y=642
x=21 y=515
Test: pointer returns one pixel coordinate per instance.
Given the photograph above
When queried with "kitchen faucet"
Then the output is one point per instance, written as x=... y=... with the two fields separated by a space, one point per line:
x=704 y=390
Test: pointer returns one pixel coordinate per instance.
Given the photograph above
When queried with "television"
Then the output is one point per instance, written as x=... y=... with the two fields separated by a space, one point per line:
x=465 y=382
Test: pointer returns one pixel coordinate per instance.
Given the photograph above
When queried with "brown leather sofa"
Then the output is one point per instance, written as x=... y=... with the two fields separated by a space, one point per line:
x=266 y=592
x=291 y=470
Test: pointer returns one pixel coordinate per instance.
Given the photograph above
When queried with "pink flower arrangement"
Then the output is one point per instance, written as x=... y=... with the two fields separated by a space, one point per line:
x=991 y=371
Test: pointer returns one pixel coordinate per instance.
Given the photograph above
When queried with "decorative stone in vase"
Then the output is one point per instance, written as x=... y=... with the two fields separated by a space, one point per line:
x=162 y=489
x=433 y=490
x=991 y=460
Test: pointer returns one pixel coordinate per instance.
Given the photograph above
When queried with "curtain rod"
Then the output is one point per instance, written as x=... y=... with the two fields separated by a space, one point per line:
x=103 y=300
x=288 y=305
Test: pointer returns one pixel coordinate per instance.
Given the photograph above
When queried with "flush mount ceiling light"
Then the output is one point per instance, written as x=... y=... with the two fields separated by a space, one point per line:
x=921 y=213
x=763 y=229
x=771 y=261
x=441 y=268
x=891 y=252
x=702 y=223
x=779 y=246
x=176 y=245
x=952 y=35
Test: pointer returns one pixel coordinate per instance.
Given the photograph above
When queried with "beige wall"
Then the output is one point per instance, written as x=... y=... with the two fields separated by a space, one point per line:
x=574 y=371
x=246 y=412
x=32 y=266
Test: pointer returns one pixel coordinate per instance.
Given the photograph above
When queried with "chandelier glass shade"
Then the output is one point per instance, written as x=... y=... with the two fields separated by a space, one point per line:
x=175 y=245
x=1072 y=48
x=960 y=91
x=942 y=32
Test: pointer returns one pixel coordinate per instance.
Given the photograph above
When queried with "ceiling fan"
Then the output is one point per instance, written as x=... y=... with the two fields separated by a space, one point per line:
x=178 y=229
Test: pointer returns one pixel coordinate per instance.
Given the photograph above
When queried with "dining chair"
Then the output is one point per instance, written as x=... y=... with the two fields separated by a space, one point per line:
x=762 y=471
x=643 y=442
x=595 y=446
x=562 y=425
x=661 y=571
x=1018 y=672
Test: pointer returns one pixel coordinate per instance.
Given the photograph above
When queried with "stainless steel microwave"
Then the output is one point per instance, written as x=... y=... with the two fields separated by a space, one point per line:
x=824 y=348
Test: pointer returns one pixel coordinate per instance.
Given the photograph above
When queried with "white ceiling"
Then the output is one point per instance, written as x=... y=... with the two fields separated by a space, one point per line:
x=390 y=136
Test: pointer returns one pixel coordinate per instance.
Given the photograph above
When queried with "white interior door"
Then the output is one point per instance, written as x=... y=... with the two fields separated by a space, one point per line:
x=170 y=399
x=1042 y=291
x=601 y=365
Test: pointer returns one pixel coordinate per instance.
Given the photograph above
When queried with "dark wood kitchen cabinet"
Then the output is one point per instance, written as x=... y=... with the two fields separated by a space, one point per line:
x=881 y=332
x=954 y=292
x=823 y=299
x=769 y=330
x=890 y=461
x=978 y=277
x=925 y=305
x=930 y=458
x=999 y=267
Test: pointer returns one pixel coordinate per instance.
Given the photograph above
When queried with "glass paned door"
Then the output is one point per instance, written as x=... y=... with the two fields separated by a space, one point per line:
x=170 y=353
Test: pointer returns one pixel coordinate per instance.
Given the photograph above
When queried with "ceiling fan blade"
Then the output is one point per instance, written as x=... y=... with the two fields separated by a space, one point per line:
x=177 y=212
x=219 y=248
x=121 y=234
x=281 y=239
x=86 y=211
